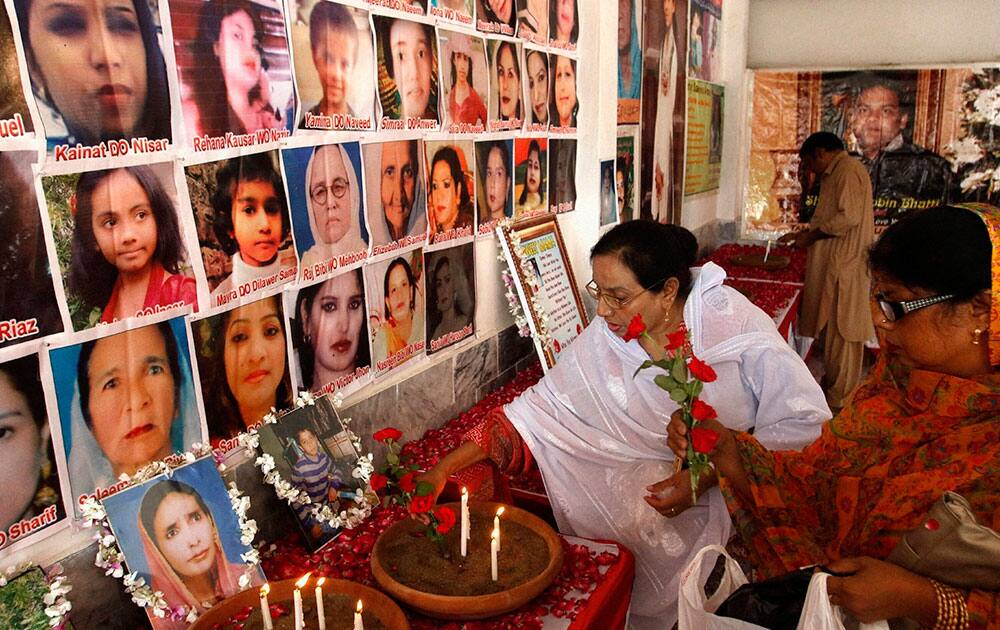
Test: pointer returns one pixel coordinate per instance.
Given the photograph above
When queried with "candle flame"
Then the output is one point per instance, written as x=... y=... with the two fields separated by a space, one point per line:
x=320 y=581
x=500 y=510
x=264 y=590
x=464 y=491
x=303 y=580
x=359 y=607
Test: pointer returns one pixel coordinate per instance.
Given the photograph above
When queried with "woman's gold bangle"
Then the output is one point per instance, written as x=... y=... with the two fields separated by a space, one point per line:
x=951 y=611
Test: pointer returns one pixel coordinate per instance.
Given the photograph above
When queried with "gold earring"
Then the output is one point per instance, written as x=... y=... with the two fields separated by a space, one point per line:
x=975 y=336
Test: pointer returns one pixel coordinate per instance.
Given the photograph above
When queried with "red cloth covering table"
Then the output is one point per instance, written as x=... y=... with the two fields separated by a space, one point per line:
x=794 y=273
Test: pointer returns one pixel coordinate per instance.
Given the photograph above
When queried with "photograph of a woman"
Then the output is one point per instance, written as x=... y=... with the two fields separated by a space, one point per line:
x=562 y=174
x=397 y=205
x=27 y=464
x=96 y=69
x=407 y=69
x=529 y=176
x=564 y=23
x=181 y=535
x=466 y=81
x=451 y=296
x=233 y=65
x=328 y=332
x=536 y=63
x=451 y=188
x=533 y=21
x=13 y=105
x=496 y=16
x=565 y=104
x=397 y=324
x=127 y=257
x=507 y=103
x=494 y=198
x=242 y=365
x=462 y=10
x=124 y=400
x=327 y=213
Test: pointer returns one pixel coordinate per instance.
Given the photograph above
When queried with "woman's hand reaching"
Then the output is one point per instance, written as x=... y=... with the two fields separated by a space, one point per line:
x=672 y=496
x=875 y=590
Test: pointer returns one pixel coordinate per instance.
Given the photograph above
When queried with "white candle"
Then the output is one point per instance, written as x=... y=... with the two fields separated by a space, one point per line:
x=494 y=546
x=265 y=608
x=297 y=597
x=358 y=623
x=319 y=604
x=464 y=534
x=767 y=251
x=496 y=525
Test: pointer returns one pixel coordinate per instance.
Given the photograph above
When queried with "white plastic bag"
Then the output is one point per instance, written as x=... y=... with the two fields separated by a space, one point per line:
x=695 y=610
x=819 y=614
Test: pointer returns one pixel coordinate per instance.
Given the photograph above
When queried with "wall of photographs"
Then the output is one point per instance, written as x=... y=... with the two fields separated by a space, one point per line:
x=213 y=204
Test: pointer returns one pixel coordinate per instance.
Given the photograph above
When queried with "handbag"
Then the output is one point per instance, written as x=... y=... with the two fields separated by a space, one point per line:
x=775 y=603
x=950 y=546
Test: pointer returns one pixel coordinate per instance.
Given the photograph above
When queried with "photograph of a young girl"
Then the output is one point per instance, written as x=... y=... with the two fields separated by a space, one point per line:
x=180 y=534
x=119 y=243
x=313 y=452
x=124 y=400
x=396 y=306
x=451 y=189
x=243 y=225
x=466 y=81
x=242 y=366
x=328 y=333
x=407 y=68
x=28 y=472
x=233 y=66
x=95 y=78
x=494 y=198
x=327 y=198
x=451 y=296
x=529 y=176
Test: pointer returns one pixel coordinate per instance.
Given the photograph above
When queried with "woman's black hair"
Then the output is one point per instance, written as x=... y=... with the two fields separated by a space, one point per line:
x=91 y=277
x=653 y=252
x=24 y=377
x=534 y=146
x=504 y=44
x=553 y=111
x=208 y=85
x=454 y=75
x=155 y=120
x=385 y=48
x=83 y=369
x=450 y=157
x=333 y=16
x=307 y=354
x=154 y=497
x=397 y=262
x=574 y=35
x=257 y=167
x=945 y=250
x=556 y=148
x=488 y=15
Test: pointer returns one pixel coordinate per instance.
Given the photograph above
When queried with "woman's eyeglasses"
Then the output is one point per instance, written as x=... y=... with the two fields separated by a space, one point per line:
x=894 y=311
x=614 y=302
x=320 y=193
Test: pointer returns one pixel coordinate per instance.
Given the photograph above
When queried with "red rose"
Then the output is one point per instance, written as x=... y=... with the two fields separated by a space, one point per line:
x=701 y=370
x=388 y=433
x=635 y=328
x=676 y=340
x=419 y=505
x=378 y=481
x=446 y=519
x=406 y=482
x=704 y=440
x=701 y=410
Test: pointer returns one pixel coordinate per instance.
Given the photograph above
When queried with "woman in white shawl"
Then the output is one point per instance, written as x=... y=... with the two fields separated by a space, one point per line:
x=333 y=201
x=598 y=433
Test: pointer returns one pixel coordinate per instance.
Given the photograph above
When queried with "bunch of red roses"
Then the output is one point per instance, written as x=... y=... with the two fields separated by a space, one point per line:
x=684 y=391
x=397 y=483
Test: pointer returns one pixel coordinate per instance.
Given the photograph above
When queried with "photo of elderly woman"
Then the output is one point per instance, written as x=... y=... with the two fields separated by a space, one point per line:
x=507 y=100
x=451 y=189
x=328 y=333
x=313 y=452
x=243 y=225
x=334 y=66
x=494 y=198
x=27 y=297
x=397 y=323
x=96 y=69
x=233 y=67
x=465 y=80
x=565 y=104
x=397 y=206
x=242 y=366
x=15 y=121
x=562 y=174
x=529 y=176
x=325 y=191
x=180 y=534
x=533 y=21
x=496 y=16
x=119 y=243
x=536 y=63
x=407 y=72
x=451 y=296
x=564 y=24
x=27 y=464
x=125 y=399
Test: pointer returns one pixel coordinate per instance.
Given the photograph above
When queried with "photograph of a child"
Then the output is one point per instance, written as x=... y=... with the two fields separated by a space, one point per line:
x=494 y=198
x=451 y=190
x=179 y=532
x=407 y=69
x=397 y=206
x=242 y=366
x=530 y=176
x=451 y=296
x=233 y=67
x=119 y=243
x=396 y=306
x=334 y=65
x=124 y=400
x=313 y=452
x=243 y=225
x=466 y=81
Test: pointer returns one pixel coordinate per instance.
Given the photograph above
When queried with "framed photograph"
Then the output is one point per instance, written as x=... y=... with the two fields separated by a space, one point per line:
x=22 y=602
x=545 y=284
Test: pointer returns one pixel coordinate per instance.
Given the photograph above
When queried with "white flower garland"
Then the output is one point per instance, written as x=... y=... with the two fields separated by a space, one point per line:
x=348 y=518
x=528 y=277
x=57 y=607
x=110 y=557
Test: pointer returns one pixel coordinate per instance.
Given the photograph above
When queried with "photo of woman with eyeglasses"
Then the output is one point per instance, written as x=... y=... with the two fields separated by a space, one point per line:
x=397 y=324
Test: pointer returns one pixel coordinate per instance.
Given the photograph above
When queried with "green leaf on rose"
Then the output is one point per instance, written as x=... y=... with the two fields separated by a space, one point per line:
x=665 y=382
x=678 y=395
x=696 y=389
x=424 y=488
x=392 y=458
x=645 y=364
x=679 y=371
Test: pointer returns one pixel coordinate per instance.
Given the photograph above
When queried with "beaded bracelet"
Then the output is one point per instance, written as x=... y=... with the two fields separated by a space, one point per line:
x=951 y=611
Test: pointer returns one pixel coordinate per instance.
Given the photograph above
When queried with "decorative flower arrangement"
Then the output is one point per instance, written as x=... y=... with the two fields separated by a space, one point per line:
x=397 y=482
x=527 y=274
x=684 y=391
x=976 y=155
x=110 y=557
x=57 y=607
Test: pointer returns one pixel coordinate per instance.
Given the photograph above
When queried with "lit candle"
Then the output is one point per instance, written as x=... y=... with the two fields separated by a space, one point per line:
x=358 y=623
x=496 y=525
x=494 y=546
x=319 y=603
x=265 y=608
x=297 y=597
x=465 y=522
